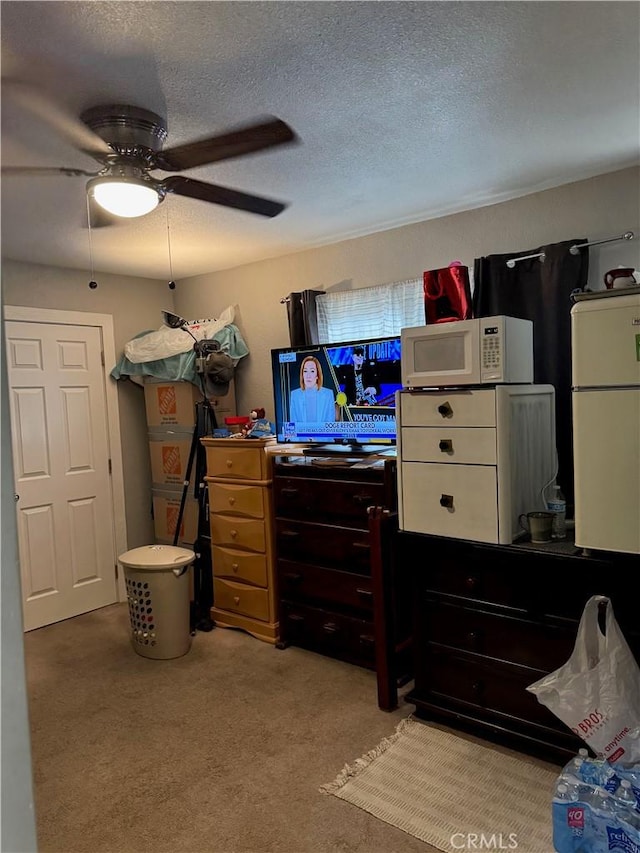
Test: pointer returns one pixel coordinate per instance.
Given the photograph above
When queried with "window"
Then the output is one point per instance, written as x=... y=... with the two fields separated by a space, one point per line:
x=370 y=312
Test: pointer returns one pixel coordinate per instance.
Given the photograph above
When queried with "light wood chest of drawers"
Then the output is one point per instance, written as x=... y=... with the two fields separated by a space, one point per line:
x=241 y=520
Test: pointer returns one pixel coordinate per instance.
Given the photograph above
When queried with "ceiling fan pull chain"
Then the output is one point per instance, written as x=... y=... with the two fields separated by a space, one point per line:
x=93 y=283
x=172 y=284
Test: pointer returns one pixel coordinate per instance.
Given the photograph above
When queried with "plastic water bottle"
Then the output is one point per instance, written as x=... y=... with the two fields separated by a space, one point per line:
x=558 y=506
x=625 y=795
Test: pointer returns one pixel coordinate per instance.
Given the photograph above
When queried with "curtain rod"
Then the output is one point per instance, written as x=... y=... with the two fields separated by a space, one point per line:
x=574 y=250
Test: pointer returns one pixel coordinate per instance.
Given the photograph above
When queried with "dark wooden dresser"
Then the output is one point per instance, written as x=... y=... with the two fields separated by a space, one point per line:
x=489 y=620
x=326 y=592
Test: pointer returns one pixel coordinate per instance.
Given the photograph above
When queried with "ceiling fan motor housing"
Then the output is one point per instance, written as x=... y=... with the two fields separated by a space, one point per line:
x=129 y=130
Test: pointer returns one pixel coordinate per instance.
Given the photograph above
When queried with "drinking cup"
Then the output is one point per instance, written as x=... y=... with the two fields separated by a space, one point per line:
x=538 y=525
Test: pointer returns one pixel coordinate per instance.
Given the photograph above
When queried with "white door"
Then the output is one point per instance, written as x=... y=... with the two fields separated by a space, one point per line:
x=60 y=442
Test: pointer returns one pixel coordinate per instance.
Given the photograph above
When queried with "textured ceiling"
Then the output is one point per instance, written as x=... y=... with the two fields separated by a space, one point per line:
x=405 y=111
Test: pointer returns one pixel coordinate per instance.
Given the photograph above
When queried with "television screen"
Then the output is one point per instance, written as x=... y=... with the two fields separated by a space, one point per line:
x=339 y=393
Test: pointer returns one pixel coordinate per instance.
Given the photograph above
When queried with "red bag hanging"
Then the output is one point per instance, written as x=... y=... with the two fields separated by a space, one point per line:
x=447 y=294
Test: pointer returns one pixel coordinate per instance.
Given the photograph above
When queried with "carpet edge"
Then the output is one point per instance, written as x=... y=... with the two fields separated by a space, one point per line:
x=350 y=770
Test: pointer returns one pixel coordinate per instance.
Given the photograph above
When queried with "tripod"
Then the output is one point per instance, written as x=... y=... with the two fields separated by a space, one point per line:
x=205 y=423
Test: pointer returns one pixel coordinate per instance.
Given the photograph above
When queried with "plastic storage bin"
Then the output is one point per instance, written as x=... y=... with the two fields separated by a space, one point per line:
x=157 y=581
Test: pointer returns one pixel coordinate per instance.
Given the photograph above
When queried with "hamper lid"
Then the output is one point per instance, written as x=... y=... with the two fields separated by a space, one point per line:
x=156 y=557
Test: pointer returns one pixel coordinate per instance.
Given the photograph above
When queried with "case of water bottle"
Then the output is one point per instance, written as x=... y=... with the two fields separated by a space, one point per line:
x=596 y=807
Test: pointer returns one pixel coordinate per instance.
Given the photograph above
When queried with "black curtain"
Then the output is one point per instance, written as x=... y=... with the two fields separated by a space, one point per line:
x=540 y=292
x=302 y=317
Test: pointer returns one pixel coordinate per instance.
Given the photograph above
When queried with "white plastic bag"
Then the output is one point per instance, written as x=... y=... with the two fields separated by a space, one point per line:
x=597 y=691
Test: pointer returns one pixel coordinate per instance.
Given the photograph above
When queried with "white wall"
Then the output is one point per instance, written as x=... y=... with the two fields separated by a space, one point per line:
x=597 y=208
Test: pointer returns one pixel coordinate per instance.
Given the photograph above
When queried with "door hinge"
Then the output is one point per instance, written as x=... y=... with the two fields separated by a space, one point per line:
x=110 y=468
x=102 y=357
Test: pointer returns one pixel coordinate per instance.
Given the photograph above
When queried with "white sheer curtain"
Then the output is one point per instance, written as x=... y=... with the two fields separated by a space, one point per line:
x=370 y=312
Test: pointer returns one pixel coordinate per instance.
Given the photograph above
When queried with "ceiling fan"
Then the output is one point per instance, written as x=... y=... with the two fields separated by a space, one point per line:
x=128 y=141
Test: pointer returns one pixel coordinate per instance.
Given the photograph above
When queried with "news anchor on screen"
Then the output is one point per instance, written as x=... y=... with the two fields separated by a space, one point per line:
x=311 y=403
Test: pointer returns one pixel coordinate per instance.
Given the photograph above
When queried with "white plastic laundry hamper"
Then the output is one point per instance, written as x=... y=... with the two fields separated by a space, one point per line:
x=157 y=581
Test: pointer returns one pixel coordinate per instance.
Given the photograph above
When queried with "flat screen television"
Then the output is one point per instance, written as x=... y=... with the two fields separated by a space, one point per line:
x=339 y=398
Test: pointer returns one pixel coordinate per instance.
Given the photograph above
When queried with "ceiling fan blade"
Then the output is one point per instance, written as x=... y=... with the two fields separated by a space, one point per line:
x=56 y=116
x=46 y=170
x=221 y=195
x=245 y=140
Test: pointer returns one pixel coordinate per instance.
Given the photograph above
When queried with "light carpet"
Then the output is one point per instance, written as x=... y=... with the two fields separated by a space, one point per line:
x=453 y=792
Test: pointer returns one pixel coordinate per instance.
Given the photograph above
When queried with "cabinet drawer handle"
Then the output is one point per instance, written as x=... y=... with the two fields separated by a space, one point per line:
x=361 y=546
x=236 y=599
x=471 y=583
x=290 y=534
x=366 y=639
x=330 y=628
x=445 y=410
x=232 y=501
x=477 y=687
x=289 y=493
x=229 y=463
x=446 y=445
x=362 y=499
x=446 y=501
x=235 y=567
x=294 y=617
x=365 y=593
x=294 y=577
x=474 y=638
x=233 y=533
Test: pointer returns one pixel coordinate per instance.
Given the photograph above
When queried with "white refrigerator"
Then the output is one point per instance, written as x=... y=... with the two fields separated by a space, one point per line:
x=605 y=346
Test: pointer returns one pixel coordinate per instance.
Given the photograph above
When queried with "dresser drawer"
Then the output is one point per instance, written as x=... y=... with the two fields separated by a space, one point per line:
x=241 y=598
x=244 y=462
x=300 y=581
x=236 y=532
x=236 y=499
x=475 y=408
x=484 y=683
x=323 y=545
x=295 y=497
x=544 y=647
x=240 y=565
x=464 y=445
x=450 y=500
x=329 y=633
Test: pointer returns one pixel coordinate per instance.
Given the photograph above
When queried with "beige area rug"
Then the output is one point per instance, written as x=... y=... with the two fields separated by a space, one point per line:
x=452 y=792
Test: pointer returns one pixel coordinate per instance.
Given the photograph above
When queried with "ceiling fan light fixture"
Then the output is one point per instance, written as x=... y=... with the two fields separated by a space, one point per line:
x=127 y=197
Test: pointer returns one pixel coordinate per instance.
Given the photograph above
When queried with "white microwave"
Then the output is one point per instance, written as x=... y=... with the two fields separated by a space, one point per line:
x=486 y=350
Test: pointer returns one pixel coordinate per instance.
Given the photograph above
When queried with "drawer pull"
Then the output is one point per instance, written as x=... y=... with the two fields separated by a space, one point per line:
x=445 y=410
x=446 y=501
x=293 y=577
x=363 y=499
x=294 y=617
x=236 y=599
x=290 y=534
x=232 y=501
x=474 y=638
x=477 y=687
x=366 y=639
x=365 y=593
x=471 y=583
x=361 y=546
x=229 y=463
x=330 y=628
x=233 y=533
x=235 y=567
x=446 y=445
x=289 y=493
